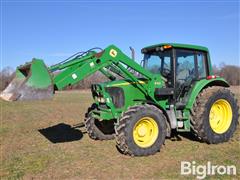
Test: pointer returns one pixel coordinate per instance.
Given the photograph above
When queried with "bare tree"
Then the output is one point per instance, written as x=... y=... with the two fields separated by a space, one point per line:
x=231 y=74
x=6 y=76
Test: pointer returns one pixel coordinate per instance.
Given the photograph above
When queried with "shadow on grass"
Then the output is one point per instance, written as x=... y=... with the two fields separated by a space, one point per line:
x=61 y=133
x=189 y=136
x=178 y=136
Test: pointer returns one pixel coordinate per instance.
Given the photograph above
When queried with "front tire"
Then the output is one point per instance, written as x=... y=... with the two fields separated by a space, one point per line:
x=98 y=130
x=214 y=117
x=141 y=131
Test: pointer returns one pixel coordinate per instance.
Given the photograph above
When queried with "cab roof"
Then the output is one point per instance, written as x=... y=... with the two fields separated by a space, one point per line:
x=177 y=45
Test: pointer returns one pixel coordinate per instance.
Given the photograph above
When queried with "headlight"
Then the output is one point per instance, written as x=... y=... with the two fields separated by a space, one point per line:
x=101 y=99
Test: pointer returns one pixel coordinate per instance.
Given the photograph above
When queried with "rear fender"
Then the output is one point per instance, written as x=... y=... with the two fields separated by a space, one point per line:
x=202 y=84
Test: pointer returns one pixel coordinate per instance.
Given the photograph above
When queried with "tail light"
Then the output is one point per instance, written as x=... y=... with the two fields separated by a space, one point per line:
x=211 y=77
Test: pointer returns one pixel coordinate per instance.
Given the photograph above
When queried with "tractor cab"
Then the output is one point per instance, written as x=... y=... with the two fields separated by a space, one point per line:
x=180 y=65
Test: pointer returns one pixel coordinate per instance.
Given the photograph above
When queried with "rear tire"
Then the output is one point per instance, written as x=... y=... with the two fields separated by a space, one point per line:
x=214 y=117
x=141 y=131
x=98 y=130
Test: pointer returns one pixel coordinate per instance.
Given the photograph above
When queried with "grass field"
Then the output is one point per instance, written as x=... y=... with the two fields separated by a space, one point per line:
x=38 y=142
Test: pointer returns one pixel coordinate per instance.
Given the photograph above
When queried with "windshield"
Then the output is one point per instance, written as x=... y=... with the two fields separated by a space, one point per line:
x=158 y=62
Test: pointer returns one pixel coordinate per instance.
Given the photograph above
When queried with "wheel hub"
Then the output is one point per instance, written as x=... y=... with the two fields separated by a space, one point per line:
x=145 y=132
x=142 y=131
x=220 y=116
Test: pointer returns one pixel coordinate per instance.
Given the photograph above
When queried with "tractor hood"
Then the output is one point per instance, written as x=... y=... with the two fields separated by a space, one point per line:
x=124 y=82
x=123 y=93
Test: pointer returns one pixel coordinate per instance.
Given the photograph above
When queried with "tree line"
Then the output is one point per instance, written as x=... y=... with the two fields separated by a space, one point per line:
x=230 y=72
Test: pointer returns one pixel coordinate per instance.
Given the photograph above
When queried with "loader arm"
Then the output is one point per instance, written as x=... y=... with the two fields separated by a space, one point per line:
x=34 y=80
x=110 y=59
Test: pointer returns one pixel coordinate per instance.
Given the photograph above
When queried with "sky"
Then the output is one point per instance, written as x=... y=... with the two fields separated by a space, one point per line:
x=54 y=30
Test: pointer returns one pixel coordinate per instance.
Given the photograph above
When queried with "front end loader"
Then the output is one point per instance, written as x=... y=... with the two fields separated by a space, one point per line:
x=140 y=105
x=32 y=81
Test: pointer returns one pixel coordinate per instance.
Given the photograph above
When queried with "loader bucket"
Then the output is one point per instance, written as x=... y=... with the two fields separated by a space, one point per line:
x=32 y=81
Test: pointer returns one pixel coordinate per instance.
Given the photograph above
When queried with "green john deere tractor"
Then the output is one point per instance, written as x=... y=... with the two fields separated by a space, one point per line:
x=174 y=88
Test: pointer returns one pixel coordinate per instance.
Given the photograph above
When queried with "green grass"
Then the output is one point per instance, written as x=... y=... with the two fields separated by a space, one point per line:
x=27 y=154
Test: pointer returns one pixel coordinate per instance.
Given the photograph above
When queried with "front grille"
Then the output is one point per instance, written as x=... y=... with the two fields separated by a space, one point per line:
x=117 y=95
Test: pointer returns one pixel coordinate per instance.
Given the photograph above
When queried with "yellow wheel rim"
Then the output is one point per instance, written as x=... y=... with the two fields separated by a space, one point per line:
x=220 y=116
x=145 y=132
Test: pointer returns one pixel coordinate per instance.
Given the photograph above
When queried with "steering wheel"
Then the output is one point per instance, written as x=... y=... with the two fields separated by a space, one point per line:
x=166 y=72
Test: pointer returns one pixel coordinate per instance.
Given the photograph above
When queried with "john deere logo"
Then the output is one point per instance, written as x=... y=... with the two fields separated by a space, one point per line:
x=113 y=53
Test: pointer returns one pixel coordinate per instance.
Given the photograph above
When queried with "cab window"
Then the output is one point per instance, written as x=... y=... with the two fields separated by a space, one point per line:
x=158 y=62
x=201 y=59
x=185 y=66
x=153 y=63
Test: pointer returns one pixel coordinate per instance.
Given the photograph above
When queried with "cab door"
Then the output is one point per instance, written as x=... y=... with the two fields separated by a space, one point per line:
x=190 y=66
